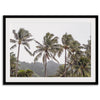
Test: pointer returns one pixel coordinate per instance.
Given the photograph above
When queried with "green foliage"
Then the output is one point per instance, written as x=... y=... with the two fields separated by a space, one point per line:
x=67 y=39
x=77 y=60
x=61 y=70
x=12 y=64
x=83 y=68
x=29 y=73
x=21 y=73
x=25 y=73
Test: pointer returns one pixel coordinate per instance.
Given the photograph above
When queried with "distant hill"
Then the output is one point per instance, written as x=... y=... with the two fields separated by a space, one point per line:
x=38 y=67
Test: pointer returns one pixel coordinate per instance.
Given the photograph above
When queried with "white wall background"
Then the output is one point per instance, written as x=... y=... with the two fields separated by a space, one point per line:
x=47 y=7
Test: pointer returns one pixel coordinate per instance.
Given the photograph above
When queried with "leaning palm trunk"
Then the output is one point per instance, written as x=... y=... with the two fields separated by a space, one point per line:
x=17 y=59
x=45 y=69
x=65 y=64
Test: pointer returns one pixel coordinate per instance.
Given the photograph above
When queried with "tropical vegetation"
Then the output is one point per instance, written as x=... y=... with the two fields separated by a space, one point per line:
x=77 y=57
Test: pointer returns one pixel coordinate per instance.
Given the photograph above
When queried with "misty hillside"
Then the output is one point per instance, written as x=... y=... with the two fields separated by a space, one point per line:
x=38 y=67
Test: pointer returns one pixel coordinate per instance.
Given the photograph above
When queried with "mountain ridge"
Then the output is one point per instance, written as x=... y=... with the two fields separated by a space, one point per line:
x=38 y=67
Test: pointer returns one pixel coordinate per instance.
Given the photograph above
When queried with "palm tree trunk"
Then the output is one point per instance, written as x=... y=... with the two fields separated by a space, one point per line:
x=65 y=64
x=17 y=59
x=45 y=68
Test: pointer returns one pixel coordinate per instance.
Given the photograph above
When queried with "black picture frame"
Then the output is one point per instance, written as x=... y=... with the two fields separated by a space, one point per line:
x=49 y=16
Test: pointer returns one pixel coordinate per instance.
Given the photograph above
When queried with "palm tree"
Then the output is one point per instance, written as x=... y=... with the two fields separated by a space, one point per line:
x=74 y=54
x=82 y=68
x=22 y=37
x=48 y=49
x=67 y=39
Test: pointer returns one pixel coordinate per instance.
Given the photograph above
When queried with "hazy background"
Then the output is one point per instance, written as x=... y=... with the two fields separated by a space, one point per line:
x=80 y=31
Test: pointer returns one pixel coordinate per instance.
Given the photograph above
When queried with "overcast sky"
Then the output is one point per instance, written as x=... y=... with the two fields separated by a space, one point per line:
x=79 y=28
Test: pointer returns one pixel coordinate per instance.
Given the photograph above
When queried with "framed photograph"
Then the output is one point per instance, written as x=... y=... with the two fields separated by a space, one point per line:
x=50 y=50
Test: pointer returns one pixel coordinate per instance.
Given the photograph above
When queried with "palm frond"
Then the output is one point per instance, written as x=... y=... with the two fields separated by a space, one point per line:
x=60 y=51
x=23 y=34
x=38 y=42
x=13 y=41
x=15 y=35
x=13 y=46
x=28 y=40
x=28 y=51
x=49 y=35
x=37 y=51
x=38 y=46
x=54 y=58
x=67 y=39
x=37 y=57
x=26 y=44
x=55 y=40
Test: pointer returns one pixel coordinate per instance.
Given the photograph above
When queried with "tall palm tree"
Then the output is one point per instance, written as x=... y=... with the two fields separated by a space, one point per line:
x=21 y=38
x=48 y=49
x=67 y=39
x=74 y=54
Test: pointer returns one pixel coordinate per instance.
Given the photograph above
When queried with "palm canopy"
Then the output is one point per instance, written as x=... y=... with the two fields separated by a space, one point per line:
x=67 y=39
x=22 y=37
x=48 y=49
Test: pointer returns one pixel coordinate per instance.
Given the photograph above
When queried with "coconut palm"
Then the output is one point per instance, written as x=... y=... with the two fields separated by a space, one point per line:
x=67 y=40
x=48 y=49
x=82 y=69
x=21 y=38
x=74 y=54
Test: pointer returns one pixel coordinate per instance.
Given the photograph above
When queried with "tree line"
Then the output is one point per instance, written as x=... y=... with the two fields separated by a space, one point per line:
x=77 y=57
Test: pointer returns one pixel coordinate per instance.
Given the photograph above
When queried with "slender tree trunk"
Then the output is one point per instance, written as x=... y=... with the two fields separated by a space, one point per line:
x=45 y=69
x=45 y=65
x=17 y=59
x=65 y=63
